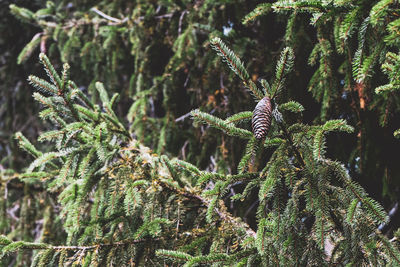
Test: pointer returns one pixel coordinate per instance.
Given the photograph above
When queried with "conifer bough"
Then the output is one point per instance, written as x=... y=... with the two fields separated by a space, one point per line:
x=261 y=120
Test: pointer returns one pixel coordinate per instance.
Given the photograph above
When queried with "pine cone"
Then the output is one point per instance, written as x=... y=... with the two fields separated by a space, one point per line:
x=261 y=120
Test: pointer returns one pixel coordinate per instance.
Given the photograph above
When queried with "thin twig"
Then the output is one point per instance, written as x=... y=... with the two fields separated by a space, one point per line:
x=120 y=243
x=180 y=21
x=105 y=15
x=181 y=118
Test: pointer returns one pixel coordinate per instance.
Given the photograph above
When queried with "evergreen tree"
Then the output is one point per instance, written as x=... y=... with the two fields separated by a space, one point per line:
x=356 y=43
x=122 y=204
x=97 y=194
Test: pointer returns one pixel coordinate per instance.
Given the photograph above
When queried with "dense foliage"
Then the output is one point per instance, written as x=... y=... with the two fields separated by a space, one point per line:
x=123 y=177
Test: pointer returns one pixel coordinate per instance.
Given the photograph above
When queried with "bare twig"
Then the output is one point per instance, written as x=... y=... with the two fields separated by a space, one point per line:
x=105 y=15
x=180 y=21
x=181 y=118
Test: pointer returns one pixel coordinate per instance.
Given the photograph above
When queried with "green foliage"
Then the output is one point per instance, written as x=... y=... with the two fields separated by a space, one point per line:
x=283 y=67
x=292 y=106
x=236 y=65
x=89 y=163
x=28 y=49
x=258 y=11
x=355 y=44
x=145 y=51
x=21 y=13
x=220 y=124
x=103 y=187
x=95 y=193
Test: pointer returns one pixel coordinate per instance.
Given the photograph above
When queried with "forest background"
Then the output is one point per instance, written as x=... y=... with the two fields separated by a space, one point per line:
x=158 y=56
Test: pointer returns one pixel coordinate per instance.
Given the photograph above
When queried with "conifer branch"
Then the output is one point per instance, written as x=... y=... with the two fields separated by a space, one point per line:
x=29 y=48
x=82 y=96
x=292 y=106
x=10 y=246
x=178 y=255
x=51 y=72
x=42 y=85
x=260 y=10
x=283 y=67
x=238 y=117
x=232 y=60
x=358 y=192
x=236 y=65
x=22 y=13
x=394 y=252
x=192 y=193
x=225 y=126
x=25 y=144
x=109 y=191
x=222 y=213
